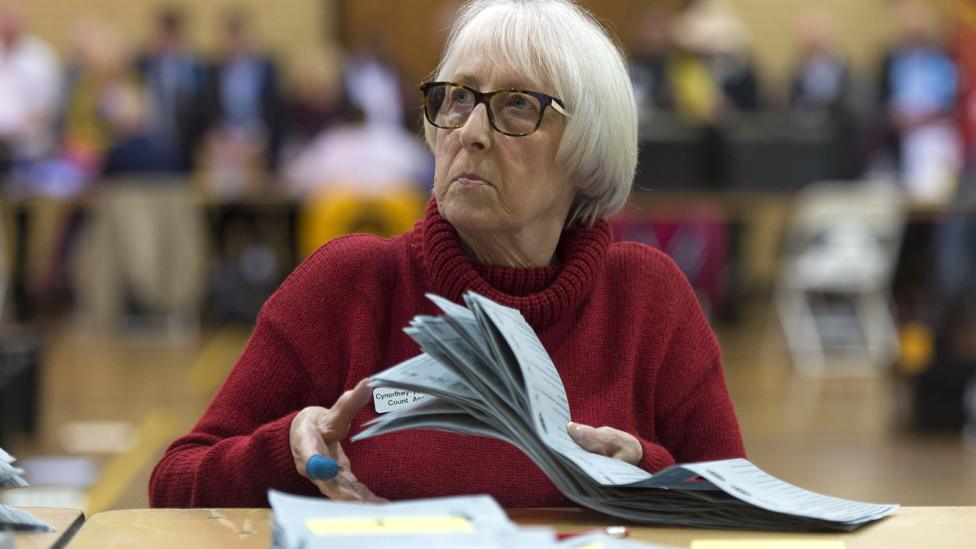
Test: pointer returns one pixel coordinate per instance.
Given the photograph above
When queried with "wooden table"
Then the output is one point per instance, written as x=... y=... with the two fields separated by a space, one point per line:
x=66 y=523
x=910 y=527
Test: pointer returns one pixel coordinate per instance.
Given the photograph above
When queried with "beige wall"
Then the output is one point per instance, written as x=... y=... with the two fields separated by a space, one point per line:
x=287 y=26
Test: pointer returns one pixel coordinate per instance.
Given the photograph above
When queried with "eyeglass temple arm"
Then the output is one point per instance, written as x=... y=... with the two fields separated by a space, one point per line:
x=558 y=108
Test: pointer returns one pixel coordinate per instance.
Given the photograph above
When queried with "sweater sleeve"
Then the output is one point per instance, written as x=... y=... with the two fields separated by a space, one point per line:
x=655 y=457
x=240 y=447
x=694 y=418
x=299 y=354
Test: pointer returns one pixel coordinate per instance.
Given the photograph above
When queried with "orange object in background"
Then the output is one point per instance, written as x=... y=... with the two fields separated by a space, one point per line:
x=917 y=344
x=344 y=210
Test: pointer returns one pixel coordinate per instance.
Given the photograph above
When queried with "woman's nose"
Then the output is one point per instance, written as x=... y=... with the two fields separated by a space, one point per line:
x=476 y=131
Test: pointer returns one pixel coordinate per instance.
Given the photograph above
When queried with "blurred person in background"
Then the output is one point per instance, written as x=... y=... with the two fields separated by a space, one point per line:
x=650 y=63
x=134 y=149
x=95 y=72
x=718 y=44
x=373 y=82
x=713 y=79
x=175 y=79
x=314 y=99
x=820 y=91
x=30 y=95
x=821 y=78
x=243 y=106
x=244 y=137
x=919 y=93
x=533 y=124
x=359 y=177
x=949 y=374
x=965 y=41
x=361 y=157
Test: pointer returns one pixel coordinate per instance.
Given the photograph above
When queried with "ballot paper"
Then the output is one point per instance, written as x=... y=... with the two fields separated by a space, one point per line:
x=12 y=518
x=472 y=521
x=10 y=476
x=475 y=522
x=487 y=374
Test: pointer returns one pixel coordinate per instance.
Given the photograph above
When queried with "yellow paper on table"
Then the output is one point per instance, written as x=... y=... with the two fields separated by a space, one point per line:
x=390 y=526
x=766 y=544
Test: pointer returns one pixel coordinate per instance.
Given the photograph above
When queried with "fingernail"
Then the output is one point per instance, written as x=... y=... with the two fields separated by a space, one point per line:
x=572 y=428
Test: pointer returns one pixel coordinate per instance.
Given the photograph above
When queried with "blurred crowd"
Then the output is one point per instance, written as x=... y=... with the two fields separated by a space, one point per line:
x=103 y=112
x=912 y=118
x=99 y=110
x=130 y=137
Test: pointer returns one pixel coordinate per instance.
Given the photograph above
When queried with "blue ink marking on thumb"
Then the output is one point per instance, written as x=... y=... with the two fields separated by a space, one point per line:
x=322 y=468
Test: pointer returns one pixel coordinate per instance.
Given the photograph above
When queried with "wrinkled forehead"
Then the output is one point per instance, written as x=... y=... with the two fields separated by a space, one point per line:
x=494 y=52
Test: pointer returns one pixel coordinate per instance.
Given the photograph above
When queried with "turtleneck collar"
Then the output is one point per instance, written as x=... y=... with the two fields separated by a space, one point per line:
x=542 y=294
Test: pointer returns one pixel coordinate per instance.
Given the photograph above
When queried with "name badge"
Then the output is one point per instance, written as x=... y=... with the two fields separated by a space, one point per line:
x=387 y=400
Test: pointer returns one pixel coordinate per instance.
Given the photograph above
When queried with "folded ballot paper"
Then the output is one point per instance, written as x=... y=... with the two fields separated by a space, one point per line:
x=474 y=522
x=12 y=518
x=487 y=373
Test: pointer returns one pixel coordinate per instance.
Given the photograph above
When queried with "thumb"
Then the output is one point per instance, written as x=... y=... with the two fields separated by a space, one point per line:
x=586 y=437
x=342 y=412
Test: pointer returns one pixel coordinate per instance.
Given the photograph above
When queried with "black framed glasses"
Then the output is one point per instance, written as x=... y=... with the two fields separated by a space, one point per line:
x=511 y=112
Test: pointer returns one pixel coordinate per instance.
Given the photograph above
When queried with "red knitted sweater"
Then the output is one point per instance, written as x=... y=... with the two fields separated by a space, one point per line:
x=619 y=320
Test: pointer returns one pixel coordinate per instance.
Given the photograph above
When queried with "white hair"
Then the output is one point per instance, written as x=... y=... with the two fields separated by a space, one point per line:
x=558 y=44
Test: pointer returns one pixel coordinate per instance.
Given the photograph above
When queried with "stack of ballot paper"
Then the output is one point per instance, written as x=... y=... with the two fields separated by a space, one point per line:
x=12 y=518
x=475 y=522
x=487 y=373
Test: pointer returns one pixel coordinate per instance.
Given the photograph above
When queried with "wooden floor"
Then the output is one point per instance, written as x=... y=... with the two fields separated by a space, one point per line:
x=841 y=437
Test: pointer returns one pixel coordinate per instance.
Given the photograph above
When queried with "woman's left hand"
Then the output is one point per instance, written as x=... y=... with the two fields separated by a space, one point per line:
x=606 y=441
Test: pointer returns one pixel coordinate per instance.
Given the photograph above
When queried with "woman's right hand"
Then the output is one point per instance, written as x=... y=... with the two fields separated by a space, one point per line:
x=317 y=431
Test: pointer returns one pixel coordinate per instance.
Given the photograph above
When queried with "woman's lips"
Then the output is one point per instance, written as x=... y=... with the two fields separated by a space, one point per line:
x=470 y=180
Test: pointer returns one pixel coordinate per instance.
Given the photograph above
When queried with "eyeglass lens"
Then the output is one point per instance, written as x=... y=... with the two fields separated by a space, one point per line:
x=449 y=106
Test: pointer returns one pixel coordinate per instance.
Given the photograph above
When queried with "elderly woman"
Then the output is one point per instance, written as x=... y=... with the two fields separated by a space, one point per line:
x=532 y=121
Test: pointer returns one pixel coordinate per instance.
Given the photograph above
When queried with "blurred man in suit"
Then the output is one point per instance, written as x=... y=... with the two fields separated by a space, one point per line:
x=174 y=79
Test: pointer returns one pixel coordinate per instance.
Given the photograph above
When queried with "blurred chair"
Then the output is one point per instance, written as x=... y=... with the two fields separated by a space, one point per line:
x=842 y=245
x=143 y=264
x=342 y=209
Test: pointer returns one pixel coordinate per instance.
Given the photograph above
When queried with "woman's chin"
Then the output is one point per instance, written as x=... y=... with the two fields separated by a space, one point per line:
x=467 y=215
